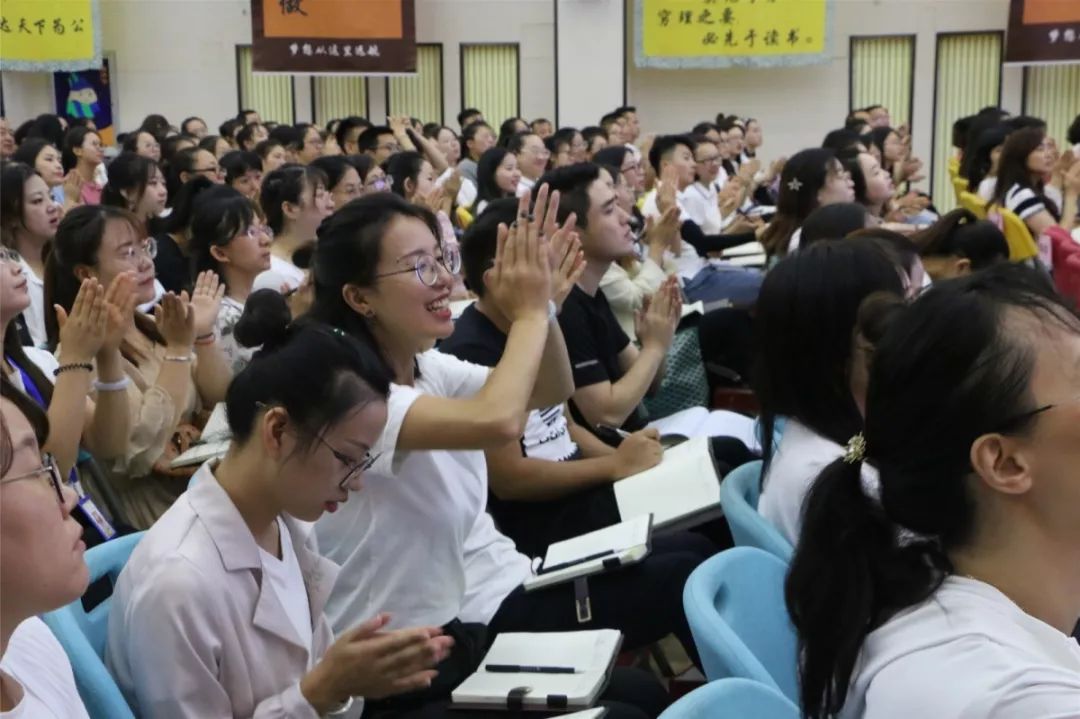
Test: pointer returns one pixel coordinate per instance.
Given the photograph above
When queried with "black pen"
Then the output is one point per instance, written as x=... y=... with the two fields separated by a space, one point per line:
x=518 y=669
x=567 y=565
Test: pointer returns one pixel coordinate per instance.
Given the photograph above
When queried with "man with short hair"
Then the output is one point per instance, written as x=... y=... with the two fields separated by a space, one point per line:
x=194 y=126
x=379 y=142
x=879 y=116
x=347 y=132
x=468 y=116
x=246 y=117
x=476 y=139
x=613 y=126
x=542 y=127
x=631 y=127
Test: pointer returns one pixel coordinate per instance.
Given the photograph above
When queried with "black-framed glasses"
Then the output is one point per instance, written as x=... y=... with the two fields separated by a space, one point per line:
x=51 y=471
x=427 y=266
x=353 y=467
x=1019 y=419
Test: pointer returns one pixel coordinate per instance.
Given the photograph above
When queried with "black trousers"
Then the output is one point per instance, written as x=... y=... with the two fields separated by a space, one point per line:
x=643 y=601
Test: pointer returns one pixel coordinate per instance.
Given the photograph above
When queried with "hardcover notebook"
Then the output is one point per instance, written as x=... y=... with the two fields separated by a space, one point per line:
x=212 y=443
x=612 y=547
x=542 y=671
x=681 y=491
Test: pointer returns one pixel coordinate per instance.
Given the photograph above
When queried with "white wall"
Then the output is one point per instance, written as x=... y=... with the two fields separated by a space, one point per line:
x=798 y=105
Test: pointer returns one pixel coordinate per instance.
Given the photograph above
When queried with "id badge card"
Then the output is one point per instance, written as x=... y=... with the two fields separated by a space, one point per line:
x=93 y=514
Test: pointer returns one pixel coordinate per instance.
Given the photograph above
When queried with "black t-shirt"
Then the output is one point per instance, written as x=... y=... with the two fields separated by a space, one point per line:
x=594 y=340
x=173 y=268
x=533 y=525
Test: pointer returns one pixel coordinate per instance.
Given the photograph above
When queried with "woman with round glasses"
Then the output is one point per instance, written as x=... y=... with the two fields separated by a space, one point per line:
x=219 y=611
x=41 y=568
x=419 y=540
x=164 y=384
x=230 y=240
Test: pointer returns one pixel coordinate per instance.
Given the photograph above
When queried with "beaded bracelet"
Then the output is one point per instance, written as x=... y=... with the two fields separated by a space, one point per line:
x=73 y=366
x=178 y=358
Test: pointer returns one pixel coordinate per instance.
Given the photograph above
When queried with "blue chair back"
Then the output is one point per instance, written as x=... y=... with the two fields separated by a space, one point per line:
x=83 y=634
x=732 y=698
x=739 y=493
x=735 y=606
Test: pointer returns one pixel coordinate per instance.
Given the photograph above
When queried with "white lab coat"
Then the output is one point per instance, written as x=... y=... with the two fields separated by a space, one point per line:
x=194 y=632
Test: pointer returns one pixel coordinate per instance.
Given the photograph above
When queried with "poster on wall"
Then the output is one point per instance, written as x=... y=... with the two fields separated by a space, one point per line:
x=87 y=93
x=675 y=34
x=50 y=35
x=331 y=36
x=1043 y=31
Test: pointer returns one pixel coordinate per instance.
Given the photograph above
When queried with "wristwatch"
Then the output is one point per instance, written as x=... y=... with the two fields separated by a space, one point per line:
x=341 y=708
x=553 y=311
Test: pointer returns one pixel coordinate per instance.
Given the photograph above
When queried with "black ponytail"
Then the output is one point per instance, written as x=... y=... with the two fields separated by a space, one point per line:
x=947 y=370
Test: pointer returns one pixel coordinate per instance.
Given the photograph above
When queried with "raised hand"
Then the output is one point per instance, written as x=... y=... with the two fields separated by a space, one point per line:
x=206 y=302
x=730 y=198
x=669 y=186
x=661 y=232
x=119 y=309
x=176 y=321
x=567 y=260
x=659 y=316
x=373 y=664
x=73 y=185
x=521 y=275
x=82 y=331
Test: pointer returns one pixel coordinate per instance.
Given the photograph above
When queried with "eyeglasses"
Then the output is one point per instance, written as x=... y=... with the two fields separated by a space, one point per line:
x=9 y=255
x=709 y=160
x=427 y=267
x=209 y=170
x=353 y=467
x=253 y=232
x=379 y=184
x=538 y=151
x=1019 y=419
x=389 y=147
x=633 y=167
x=51 y=472
x=132 y=252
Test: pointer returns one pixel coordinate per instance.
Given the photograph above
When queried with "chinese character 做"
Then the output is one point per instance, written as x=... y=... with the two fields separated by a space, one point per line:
x=291 y=6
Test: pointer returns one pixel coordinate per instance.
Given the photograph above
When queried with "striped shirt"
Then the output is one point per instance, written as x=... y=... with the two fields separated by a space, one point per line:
x=1024 y=201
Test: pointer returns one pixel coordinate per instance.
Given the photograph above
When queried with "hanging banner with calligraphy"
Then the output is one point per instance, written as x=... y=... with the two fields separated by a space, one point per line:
x=49 y=35
x=676 y=34
x=1043 y=32
x=332 y=36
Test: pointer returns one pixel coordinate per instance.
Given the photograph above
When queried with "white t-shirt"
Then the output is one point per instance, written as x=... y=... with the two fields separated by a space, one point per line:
x=228 y=316
x=987 y=187
x=700 y=203
x=525 y=186
x=38 y=663
x=418 y=541
x=281 y=272
x=466 y=196
x=287 y=582
x=968 y=652
x=796 y=463
x=35 y=313
x=547 y=435
x=689 y=263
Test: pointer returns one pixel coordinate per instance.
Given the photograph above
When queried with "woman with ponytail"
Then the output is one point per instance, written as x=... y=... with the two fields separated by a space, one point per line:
x=809 y=362
x=948 y=589
x=182 y=639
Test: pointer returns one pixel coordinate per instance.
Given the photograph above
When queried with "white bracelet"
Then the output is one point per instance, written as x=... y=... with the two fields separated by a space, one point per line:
x=341 y=708
x=178 y=358
x=116 y=386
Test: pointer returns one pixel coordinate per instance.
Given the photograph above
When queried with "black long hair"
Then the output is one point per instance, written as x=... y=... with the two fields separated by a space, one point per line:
x=347 y=253
x=802 y=178
x=806 y=316
x=1013 y=169
x=947 y=371
x=219 y=215
x=977 y=160
x=487 y=188
x=961 y=234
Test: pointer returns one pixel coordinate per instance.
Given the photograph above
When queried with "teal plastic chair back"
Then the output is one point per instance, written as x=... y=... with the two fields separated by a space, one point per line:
x=739 y=493
x=735 y=606
x=740 y=698
x=83 y=634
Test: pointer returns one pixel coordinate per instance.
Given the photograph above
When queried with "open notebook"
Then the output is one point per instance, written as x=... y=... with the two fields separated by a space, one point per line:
x=683 y=490
x=609 y=548
x=213 y=442
x=542 y=671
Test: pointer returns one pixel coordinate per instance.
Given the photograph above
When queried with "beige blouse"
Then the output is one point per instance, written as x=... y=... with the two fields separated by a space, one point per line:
x=143 y=493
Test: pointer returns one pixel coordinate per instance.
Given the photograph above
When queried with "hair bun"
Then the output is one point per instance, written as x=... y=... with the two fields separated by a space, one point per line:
x=265 y=320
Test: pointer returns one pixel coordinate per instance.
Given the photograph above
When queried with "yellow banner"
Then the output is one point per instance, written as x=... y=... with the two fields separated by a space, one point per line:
x=674 y=29
x=48 y=34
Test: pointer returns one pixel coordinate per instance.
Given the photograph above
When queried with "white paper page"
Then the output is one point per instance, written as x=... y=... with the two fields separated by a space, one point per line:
x=693 y=308
x=683 y=483
x=750 y=248
x=701 y=422
x=200 y=453
x=217 y=426
x=489 y=688
x=588 y=650
x=618 y=538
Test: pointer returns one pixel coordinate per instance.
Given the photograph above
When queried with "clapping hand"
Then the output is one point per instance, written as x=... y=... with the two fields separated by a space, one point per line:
x=206 y=302
x=521 y=279
x=120 y=310
x=82 y=331
x=567 y=260
x=655 y=323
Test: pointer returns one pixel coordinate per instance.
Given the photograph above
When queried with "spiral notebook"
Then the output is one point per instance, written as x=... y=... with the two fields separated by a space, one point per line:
x=619 y=545
x=682 y=491
x=560 y=671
